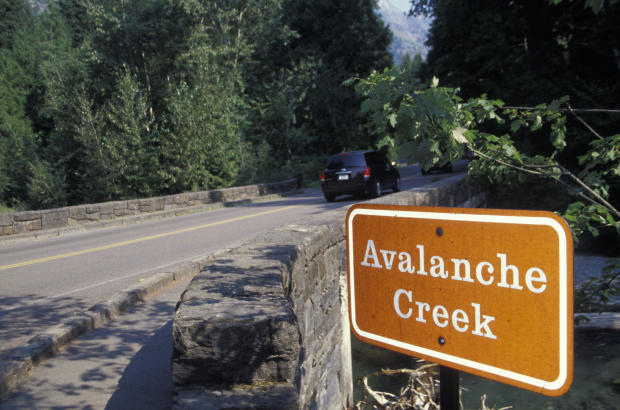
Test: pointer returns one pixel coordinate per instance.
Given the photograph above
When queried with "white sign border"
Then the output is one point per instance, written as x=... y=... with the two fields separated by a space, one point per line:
x=485 y=218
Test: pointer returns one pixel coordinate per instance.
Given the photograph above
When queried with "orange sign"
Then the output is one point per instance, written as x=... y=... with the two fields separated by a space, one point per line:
x=485 y=291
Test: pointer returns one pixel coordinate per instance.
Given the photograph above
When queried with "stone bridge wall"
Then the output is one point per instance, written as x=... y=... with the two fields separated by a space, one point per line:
x=33 y=222
x=265 y=325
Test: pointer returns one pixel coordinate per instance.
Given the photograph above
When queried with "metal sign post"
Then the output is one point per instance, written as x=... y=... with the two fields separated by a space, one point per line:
x=449 y=388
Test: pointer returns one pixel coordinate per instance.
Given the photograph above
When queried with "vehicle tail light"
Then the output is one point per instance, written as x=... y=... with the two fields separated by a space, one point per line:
x=323 y=176
x=366 y=172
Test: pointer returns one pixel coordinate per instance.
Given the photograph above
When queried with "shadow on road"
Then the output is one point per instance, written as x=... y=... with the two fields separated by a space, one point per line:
x=134 y=349
x=147 y=380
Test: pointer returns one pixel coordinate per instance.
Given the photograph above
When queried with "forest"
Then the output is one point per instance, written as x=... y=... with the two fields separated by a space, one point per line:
x=530 y=89
x=116 y=99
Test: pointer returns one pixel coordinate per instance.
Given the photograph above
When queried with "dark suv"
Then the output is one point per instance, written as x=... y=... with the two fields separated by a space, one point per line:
x=358 y=172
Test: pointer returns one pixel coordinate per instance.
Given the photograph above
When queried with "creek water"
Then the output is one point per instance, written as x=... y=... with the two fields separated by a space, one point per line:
x=596 y=377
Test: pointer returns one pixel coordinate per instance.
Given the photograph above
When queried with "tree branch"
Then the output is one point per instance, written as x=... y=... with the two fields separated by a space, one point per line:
x=587 y=110
x=529 y=171
x=585 y=124
x=599 y=200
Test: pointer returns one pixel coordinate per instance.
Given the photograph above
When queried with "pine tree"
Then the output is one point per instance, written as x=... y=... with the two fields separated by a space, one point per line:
x=13 y=15
x=18 y=53
x=126 y=130
x=344 y=39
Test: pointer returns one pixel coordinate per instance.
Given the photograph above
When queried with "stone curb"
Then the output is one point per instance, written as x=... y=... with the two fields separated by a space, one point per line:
x=135 y=219
x=18 y=363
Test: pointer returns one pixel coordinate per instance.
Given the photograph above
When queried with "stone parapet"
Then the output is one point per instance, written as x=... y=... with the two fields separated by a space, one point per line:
x=265 y=324
x=34 y=222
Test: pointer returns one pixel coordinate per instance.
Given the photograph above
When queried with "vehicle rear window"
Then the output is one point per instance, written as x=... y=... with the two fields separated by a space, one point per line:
x=374 y=158
x=346 y=161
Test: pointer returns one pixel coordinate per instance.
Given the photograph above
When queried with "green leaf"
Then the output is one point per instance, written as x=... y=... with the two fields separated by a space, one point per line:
x=391 y=118
x=537 y=124
x=350 y=81
x=595 y=5
x=557 y=139
x=554 y=105
x=459 y=135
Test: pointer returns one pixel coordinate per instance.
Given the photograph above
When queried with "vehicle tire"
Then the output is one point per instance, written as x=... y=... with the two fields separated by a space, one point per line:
x=330 y=197
x=396 y=187
x=375 y=189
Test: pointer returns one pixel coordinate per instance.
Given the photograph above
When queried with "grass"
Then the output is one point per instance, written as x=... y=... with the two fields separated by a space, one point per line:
x=5 y=209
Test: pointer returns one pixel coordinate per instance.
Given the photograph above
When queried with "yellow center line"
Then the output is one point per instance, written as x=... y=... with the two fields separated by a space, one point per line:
x=143 y=239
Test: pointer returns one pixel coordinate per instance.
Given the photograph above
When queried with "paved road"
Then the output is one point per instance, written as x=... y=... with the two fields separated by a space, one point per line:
x=43 y=281
x=58 y=276
x=126 y=363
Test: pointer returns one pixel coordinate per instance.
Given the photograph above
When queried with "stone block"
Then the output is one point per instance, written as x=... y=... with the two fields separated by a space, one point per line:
x=26 y=216
x=334 y=257
x=193 y=196
x=204 y=197
x=147 y=205
x=254 y=190
x=233 y=325
x=6 y=219
x=93 y=216
x=133 y=205
x=168 y=199
x=56 y=218
x=35 y=225
x=274 y=396
x=120 y=209
x=215 y=195
x=181 y=199
x=119 y=205
x=421 y=198
x=306 y=318
x=230 y=341
x=20 y=227
x=276 y=245
x=227 y=195
x=329 y=394
x=77 y=213
x=106 y=210
x=157 y=203
x=92 y=209
x=463 y=193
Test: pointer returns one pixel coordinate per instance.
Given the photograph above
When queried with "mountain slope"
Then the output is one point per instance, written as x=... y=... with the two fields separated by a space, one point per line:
x=410 y=33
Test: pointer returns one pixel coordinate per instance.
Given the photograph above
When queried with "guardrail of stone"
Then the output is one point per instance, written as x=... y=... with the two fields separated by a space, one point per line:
x=265 y=324
x=33 y=222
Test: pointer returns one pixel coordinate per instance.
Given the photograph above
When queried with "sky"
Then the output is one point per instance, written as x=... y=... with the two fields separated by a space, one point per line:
x=403 y=5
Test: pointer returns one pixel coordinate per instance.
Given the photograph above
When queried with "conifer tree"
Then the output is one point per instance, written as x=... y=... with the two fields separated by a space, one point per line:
x=18 y=51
